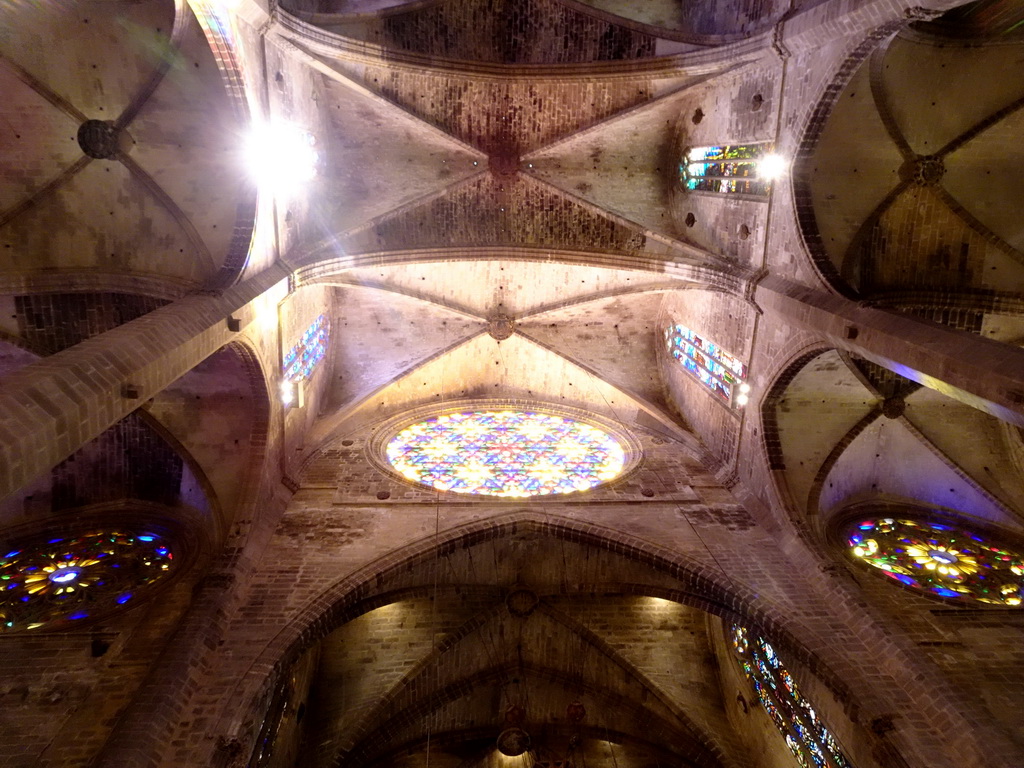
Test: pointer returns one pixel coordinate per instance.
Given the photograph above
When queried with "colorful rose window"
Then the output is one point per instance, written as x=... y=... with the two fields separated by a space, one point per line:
x=506 y=453
x=66 y=579
x=939 y=559
x=811 y=743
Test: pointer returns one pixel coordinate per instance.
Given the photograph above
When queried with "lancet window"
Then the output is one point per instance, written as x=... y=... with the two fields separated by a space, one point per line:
x=811 y=743
x=302 y=359
x=735 y=168
x=721 y=372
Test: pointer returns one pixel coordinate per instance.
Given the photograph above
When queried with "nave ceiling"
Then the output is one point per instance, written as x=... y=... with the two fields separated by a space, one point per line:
x=497 y=216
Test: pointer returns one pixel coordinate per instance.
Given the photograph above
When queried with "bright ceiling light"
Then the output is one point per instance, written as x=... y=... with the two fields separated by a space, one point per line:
x=742 y=399
x=771 y=167
x=280 y=156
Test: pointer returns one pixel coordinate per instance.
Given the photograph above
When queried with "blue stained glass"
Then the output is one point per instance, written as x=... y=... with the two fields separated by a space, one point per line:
x=51 y=582
x=506 y=453
x=930 y=556
x=725 y=169
x=908 y=580
x=300 y=361
x=715 y=368
x=795 y=718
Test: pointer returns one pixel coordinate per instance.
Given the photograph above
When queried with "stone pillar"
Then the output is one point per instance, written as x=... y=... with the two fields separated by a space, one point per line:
x=51 y=408
x=985 y=374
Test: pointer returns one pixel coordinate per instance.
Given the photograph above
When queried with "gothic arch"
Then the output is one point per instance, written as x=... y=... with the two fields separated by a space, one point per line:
x=355 y=594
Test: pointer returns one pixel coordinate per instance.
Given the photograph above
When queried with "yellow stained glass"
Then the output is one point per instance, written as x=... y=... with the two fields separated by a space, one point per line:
x=506 y=453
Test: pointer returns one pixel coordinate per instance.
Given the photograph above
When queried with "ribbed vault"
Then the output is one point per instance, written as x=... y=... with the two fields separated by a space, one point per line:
x=908 y=190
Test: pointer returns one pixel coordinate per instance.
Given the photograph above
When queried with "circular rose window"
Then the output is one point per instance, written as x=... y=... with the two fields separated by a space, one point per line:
x=55 y=582
x=506 y=453
x=939 y=559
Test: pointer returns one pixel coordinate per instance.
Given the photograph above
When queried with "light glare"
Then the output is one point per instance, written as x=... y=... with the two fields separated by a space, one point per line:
x=287 y=393
x=280 y=156
x=771 y=167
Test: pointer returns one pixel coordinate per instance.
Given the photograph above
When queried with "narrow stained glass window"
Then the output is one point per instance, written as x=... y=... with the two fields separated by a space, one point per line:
x=302 y=359
x=506 y=453
x=737 y=168
x=715 y=368
x=69 y=578
x=811 y=743
x=939 y=559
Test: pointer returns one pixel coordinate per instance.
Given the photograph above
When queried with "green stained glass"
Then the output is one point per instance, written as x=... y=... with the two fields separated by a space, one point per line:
x=737 y=168
x=939 y=559
x=506 y=453
x=57 y=582
x=811 y=743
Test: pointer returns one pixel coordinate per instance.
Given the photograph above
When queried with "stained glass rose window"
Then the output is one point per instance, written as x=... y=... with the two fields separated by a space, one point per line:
x=939 y=559
x=506 y=453
x=56 y=582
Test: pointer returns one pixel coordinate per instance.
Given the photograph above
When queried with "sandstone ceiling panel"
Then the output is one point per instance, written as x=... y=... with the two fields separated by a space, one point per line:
x=521 y=115
x=614 y=336
x=463 y=676
x=855 y=166
x=892 y=220
x=212 y=411
x=379 y=157
x=921 y=240
x=974 y=440
x=881 y=381
x=937 y=92
x=625 y=164
x=379 y=336
x=663 y=641
x=888 y=460
x=993 y=19
x=841 y=441
x=512 y=369
x=50 y=322
x=501 y=31
x=80 y=69
x=985 y=173
x=498 y=211
x=142 y=215
x=104 y=219
x=187 y=139
x=363 y=661
x=127 y=461
x=517 y=288
x=696 y=19
x=38 y=142
x=819 y=408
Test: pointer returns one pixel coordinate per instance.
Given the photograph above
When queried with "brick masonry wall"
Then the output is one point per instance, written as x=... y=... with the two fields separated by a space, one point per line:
x=49 y=323
x=531 y=113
